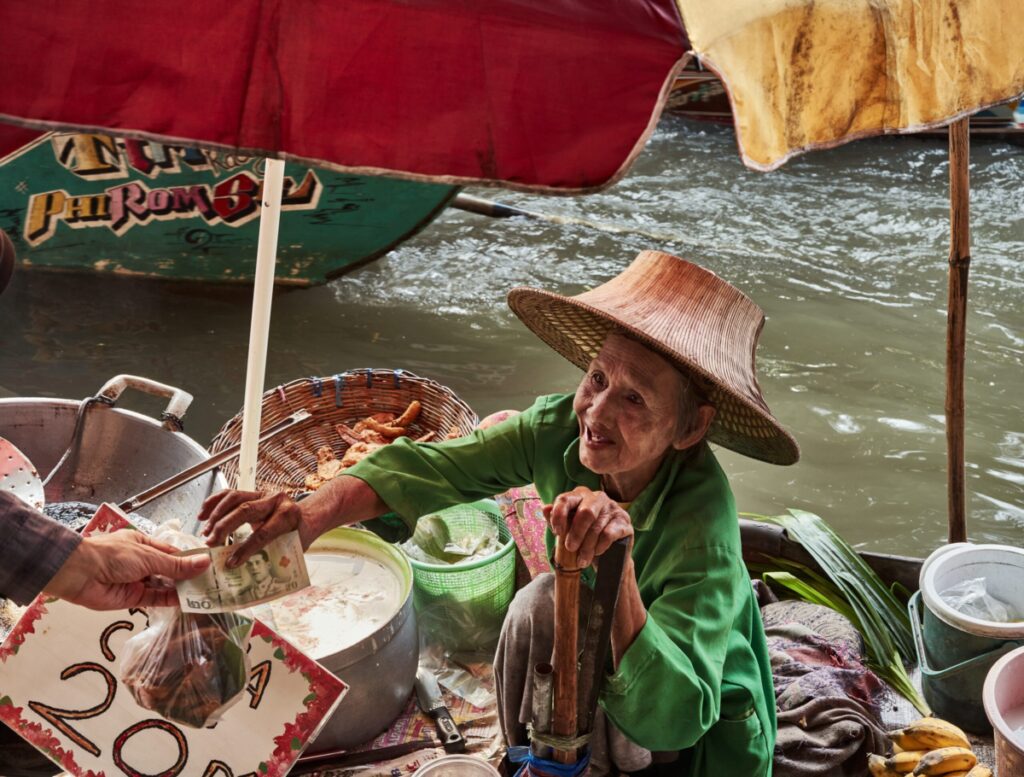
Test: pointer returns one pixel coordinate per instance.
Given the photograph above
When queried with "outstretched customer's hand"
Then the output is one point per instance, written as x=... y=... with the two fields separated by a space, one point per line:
x=114 y=571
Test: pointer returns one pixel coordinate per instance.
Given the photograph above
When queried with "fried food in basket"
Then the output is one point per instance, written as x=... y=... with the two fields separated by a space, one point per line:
x=363 y=438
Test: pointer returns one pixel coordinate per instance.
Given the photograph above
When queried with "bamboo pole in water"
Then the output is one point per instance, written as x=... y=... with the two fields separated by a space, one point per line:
x=567 y=612
x=956 y=325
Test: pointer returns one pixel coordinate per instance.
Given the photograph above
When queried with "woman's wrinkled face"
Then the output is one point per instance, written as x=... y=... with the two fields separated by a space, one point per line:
x=628 y=408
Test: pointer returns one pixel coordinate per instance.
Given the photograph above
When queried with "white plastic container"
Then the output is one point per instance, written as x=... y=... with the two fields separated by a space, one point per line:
x=956 y=650
x=1004 y=705
x=1002 y=567
x=457 y=766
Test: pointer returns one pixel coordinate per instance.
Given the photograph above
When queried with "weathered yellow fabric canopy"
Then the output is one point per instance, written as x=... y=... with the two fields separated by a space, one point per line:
x=804 y=74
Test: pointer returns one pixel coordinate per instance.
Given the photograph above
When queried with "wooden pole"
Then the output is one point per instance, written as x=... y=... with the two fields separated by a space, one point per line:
x=567 y=613
x=956 y=325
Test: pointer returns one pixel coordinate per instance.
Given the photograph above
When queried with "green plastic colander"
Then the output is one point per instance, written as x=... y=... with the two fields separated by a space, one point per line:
x=462 y=605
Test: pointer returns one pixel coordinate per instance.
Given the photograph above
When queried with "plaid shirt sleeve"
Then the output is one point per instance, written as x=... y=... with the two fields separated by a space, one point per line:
x=32 y=546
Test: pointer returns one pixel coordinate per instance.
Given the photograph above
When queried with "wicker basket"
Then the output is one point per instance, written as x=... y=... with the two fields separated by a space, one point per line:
x=284 y=461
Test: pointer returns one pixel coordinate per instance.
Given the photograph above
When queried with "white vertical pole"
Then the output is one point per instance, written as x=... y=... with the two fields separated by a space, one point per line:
x=259 y=330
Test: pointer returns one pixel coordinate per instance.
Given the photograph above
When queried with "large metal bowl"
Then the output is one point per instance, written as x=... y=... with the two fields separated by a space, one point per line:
x=121 y=452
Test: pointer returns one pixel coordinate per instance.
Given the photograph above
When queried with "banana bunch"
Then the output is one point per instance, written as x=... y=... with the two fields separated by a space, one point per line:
x=926 y=748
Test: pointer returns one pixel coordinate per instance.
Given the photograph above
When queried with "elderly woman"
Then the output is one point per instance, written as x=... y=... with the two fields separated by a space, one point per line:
x=668 y=353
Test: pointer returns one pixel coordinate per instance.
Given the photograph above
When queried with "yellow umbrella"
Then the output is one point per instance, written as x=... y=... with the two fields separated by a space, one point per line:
x=807 y=74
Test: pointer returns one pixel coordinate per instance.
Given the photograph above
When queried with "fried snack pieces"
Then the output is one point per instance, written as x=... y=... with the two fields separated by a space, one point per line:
x=363 y=438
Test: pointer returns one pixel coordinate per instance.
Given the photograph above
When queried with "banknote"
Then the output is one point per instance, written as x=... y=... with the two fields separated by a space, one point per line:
x=277 y=570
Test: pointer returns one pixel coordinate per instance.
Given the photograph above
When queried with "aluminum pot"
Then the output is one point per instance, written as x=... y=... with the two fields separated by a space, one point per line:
x=381 y=668
x=120 y=453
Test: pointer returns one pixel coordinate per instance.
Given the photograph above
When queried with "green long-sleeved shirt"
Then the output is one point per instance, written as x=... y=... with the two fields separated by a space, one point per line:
x=698 y=674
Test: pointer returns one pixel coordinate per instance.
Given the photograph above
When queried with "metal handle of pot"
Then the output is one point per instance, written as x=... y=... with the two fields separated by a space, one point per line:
x=172 y=414
x=213 y=462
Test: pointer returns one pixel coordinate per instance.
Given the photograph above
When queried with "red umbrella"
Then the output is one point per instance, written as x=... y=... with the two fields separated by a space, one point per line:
x=533 y=94
x=558 y=95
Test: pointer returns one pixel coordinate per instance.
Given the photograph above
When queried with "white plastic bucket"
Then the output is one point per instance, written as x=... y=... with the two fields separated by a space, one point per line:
x=956 y=650
x=1004 y=705
x=1002 y=567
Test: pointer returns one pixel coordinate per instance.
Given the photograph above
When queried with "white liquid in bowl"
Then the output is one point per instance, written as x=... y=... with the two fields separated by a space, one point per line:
x=350 y=597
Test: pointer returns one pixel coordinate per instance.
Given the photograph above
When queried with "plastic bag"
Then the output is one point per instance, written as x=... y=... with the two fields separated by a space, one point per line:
x=187 y=667
x=970 y=598
x=438 y=540
x=472 y=680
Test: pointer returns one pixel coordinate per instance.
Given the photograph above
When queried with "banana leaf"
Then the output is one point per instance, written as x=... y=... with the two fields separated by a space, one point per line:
x=854 y=590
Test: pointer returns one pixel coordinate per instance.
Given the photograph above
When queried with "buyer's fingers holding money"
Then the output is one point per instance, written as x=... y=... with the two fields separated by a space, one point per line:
x=271 y=572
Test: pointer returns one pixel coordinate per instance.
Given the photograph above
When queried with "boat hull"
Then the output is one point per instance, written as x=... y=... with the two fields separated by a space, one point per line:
x=95 y=203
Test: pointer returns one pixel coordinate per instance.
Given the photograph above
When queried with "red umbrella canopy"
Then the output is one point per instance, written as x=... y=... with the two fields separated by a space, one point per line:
x=531 y=93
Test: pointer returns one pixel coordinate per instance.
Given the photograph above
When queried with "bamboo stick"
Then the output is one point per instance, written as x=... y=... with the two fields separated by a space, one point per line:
x=567 y=610
x=956 y=326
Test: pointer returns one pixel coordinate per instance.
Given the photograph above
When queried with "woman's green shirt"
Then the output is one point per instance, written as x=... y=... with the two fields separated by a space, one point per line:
x=698 y=674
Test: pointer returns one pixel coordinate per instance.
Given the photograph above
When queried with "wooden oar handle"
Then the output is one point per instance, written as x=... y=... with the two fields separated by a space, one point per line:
x=567 y=609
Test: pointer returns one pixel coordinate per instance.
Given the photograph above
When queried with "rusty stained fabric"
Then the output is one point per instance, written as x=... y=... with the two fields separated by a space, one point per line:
x=805 y=74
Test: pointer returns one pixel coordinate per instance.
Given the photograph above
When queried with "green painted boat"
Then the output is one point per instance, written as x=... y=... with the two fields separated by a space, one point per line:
x=97 y=203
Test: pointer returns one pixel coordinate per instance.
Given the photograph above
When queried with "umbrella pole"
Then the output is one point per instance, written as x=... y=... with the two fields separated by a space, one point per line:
x=259 y=329
x=567 y=612
x=956 y=325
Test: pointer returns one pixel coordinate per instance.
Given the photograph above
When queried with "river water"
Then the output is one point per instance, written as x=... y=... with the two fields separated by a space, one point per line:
x=845 y=250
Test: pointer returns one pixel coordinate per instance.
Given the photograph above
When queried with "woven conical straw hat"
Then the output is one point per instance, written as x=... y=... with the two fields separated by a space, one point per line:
x=705 y=326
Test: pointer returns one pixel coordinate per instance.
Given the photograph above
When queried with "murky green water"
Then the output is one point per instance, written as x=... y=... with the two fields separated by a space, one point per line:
x=845 y=250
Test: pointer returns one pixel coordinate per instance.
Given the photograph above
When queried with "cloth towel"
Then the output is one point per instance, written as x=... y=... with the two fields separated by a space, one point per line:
x=828 y=702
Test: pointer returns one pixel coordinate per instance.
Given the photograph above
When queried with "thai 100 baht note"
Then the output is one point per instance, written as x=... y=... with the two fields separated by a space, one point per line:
x=277 y=570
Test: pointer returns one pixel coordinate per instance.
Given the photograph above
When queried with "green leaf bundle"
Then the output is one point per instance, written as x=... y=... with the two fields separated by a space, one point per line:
x=854 y=590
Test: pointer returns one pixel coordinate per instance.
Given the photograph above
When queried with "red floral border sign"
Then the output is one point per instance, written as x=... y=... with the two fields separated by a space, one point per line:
x=60 y=690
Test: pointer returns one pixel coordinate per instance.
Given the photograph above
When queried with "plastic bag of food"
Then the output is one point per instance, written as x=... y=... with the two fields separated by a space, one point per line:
x=971 y=598
x=444 y=539
x=188 y=667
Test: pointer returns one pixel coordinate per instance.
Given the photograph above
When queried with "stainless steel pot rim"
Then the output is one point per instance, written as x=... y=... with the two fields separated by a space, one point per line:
x=72 y=405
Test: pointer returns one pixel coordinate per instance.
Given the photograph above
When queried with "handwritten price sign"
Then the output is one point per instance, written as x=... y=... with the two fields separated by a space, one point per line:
x=60 y=690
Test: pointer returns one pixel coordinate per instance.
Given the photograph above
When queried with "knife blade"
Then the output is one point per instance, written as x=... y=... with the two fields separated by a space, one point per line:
x=428 y=694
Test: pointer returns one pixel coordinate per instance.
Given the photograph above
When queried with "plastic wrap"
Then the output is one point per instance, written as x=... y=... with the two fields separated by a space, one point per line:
x=971 y=598
x=440 y=541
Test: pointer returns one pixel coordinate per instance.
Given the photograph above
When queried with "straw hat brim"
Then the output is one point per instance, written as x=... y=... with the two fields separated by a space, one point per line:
x=577 y=331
